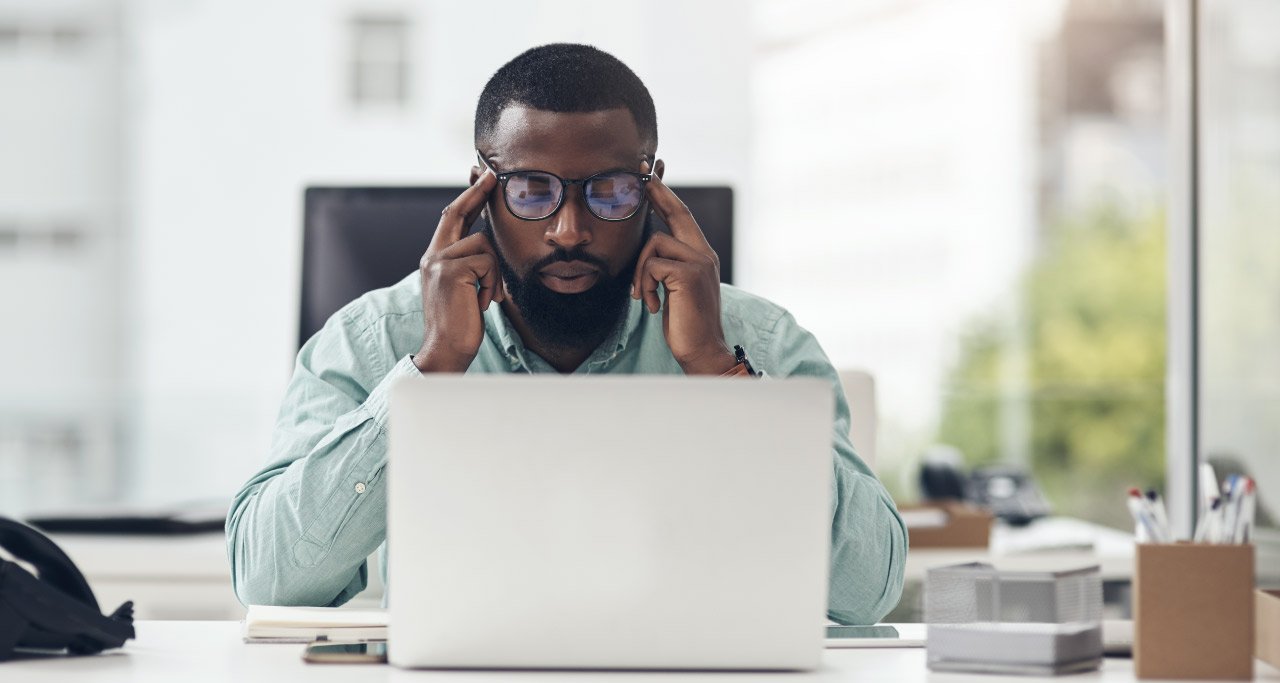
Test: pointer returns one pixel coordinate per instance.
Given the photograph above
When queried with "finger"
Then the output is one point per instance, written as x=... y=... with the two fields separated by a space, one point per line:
x=666 y=246
x=471 y=250
x=676 y=215
x=485 y=289
x=669 y=273
x=636 y=279
x=500 y=287
x=467 y=246
x=461 y=213
x=643 y=285
x=649 y=289
x=472 y=245
x=481 y=271
x=672 y=274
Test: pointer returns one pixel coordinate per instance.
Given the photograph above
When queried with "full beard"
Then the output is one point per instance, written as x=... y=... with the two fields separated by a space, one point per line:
x=569 y=321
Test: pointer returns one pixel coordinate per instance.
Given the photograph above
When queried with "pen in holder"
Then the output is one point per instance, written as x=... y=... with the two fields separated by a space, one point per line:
x=1193 y=611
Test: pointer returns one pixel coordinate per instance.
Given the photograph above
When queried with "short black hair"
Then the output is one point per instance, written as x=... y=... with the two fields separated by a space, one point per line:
x=566 y=77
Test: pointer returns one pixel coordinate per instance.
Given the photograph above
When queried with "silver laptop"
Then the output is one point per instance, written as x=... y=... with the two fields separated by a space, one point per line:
x=608 y=523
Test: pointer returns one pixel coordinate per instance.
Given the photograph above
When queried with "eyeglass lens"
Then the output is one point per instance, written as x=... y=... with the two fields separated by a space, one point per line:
x=612 y=196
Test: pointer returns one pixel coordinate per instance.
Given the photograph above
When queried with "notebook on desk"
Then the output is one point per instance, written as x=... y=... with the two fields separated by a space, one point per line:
x=276 y=624
x=608 y=523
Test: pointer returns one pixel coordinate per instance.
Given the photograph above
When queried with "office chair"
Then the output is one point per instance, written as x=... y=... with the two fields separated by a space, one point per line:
x=356 y=239
x=860 y=390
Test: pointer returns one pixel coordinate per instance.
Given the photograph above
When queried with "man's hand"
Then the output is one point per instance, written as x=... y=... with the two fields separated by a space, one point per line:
x=689 y=270
x=451 y=270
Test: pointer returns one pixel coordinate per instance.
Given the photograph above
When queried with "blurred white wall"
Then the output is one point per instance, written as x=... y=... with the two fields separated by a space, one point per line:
x=60 y=242
x=236 y=105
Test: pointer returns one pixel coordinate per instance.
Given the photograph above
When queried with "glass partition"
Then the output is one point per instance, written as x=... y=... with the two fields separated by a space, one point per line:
x=1239 y=242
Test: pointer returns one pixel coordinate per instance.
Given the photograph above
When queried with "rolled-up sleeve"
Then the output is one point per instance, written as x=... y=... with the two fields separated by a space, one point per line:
x=868 y=538
x=299 y=532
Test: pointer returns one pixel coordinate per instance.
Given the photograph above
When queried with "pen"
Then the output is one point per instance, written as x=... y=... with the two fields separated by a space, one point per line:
x=1249 y=510
x=1208 y=488
x=1206 y=521
x=1156 y=506
x=1229 y=510
x=1144 y=530
x=1215 y=521
x=1241 y=517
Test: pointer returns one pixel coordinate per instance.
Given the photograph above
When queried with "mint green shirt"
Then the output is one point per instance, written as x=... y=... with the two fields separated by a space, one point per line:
x=300 y=530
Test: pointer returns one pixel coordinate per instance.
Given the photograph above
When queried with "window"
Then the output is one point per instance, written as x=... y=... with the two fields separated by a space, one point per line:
x=1239 y=279
x=380 y=66
x=970 y=206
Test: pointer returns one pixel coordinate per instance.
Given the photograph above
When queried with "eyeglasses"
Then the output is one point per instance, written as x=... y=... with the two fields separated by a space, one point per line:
x=535 y=195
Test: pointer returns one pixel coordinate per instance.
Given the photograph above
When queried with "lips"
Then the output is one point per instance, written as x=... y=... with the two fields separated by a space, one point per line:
x=568 y=269
x=571 y=277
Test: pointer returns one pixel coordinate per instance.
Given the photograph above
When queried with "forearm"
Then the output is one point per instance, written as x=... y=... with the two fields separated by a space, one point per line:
x=301 y=536
x=300 y=531
x=868 y=549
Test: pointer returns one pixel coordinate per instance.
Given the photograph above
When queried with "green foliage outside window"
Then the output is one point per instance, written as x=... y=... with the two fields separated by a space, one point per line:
x=1094 y=343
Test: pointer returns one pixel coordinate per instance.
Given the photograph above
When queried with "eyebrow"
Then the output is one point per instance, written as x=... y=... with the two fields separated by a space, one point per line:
x=614 y=169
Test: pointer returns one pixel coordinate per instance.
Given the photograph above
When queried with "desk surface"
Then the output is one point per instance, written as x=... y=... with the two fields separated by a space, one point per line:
x=190 y=651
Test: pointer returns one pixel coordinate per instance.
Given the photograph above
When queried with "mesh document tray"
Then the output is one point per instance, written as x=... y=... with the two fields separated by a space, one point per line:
x=983 y=619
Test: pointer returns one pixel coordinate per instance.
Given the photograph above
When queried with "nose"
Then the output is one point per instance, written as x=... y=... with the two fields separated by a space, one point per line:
x=570 y=227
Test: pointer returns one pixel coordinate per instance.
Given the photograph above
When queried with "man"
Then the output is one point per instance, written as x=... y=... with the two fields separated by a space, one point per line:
x=567 y=276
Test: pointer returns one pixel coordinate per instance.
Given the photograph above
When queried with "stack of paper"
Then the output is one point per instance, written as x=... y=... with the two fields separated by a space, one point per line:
x=274 y=624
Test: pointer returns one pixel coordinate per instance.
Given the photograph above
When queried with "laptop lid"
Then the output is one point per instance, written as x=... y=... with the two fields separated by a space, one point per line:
x=608 y=522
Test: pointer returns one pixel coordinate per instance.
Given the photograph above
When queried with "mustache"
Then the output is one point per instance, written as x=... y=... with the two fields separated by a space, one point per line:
x=574 y=254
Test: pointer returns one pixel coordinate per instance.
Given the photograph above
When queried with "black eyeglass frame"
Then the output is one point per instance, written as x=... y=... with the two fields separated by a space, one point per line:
x=564 y=189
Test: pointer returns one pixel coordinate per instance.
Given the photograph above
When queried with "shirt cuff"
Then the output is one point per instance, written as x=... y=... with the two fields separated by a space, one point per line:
x=377 y=403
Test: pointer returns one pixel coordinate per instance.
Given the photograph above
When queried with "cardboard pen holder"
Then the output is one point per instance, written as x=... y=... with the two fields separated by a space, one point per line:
x=1193 y=611
x=1267 y=627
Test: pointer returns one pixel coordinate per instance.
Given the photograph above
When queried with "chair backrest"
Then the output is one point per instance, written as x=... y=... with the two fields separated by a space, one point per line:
x=860 y=390
x=356 y=239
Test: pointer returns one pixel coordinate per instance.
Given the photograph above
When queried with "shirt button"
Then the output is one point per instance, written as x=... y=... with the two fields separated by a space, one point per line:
x=359 y=487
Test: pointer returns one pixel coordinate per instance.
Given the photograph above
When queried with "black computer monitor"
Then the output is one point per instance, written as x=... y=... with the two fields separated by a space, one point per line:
x=356 y=239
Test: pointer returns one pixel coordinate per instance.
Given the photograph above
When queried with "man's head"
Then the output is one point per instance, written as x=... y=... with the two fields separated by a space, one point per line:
x=572 y=111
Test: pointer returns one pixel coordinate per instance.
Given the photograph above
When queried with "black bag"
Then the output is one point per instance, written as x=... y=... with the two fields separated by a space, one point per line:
x=54 y=610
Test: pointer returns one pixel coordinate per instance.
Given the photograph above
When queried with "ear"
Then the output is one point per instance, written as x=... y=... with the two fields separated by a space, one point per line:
x=659 y=167
x=475 y=174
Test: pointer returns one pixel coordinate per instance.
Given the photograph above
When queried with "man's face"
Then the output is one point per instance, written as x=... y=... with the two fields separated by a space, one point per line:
x=569 y=275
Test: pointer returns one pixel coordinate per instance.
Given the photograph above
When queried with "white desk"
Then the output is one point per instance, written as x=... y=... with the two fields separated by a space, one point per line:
x=192 y=651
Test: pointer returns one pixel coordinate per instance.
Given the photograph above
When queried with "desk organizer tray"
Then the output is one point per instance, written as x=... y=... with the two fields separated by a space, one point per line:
x=981 y=619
